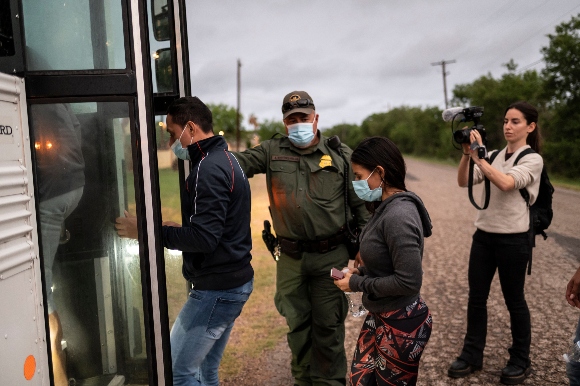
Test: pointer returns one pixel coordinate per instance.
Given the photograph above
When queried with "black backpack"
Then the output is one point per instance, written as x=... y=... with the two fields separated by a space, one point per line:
x=541 y=211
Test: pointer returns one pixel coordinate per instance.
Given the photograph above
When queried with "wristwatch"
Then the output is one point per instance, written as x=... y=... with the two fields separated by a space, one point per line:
x=482 y=152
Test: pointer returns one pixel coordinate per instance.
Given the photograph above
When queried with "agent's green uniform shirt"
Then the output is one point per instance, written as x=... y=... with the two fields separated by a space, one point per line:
x=305 y=187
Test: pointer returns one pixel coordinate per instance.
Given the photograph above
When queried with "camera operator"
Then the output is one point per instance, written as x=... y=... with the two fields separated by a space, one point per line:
x=501 y=241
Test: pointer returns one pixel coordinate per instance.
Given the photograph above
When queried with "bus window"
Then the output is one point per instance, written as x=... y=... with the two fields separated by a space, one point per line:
x=74 y=35
x=6 y=36
x=84 y=176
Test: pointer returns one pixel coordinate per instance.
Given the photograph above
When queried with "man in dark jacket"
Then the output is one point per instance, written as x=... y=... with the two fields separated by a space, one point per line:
x=216 y=242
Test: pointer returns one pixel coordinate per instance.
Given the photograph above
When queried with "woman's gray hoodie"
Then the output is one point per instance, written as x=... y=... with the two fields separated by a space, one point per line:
x=391 y=248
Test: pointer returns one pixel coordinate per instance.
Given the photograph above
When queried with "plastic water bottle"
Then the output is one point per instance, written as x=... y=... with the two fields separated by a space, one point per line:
x=573 y=355
x=355 y=304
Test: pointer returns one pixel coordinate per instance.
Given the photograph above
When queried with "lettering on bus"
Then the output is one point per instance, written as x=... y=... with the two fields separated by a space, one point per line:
x=5 y=130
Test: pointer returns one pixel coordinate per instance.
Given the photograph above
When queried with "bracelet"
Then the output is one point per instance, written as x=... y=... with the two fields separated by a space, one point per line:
x=465 y=153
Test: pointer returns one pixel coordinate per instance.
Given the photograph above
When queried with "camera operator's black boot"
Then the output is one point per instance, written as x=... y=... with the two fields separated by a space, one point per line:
x=461 y=368
x=514 y=374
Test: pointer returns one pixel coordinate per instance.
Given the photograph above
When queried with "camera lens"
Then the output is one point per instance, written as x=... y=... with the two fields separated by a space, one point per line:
x=461 y=136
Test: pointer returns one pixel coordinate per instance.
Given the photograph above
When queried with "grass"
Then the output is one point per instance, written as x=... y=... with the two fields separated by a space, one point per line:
x=259 y=327
x=563 y=182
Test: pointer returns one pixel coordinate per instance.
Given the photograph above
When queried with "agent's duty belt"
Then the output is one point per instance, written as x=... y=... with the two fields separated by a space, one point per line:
x=294 y=248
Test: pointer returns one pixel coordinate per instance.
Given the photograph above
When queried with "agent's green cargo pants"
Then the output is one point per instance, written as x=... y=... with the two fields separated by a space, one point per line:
x=315 y=310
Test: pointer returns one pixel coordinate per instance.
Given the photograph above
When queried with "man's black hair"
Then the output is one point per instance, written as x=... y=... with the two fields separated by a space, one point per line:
x=191 y=109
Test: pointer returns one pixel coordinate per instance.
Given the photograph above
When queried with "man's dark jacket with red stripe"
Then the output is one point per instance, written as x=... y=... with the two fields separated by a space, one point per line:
x=215 y=237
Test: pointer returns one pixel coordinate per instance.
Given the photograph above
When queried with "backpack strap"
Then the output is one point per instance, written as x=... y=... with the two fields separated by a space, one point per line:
x=526 y=196
x=492 y=156
x=524 y=191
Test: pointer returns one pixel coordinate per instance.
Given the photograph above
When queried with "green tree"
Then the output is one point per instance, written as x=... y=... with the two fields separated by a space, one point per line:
x=269 y=128
x=224 y=119
x=494 y=95
x=562 y=87
x=562 y=58
x=413 y=129
x=349 y=134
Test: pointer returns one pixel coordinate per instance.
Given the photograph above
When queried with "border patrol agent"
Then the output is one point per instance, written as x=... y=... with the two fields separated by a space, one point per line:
x=305 y=180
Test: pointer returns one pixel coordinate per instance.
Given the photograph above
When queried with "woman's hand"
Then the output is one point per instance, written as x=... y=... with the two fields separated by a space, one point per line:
x=466 y=149
x=353 y=271
x=358 y=260
x=474 y=136
x=343 y=283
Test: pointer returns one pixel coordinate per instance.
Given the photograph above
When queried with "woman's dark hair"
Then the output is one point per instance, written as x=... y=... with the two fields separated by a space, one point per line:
x=191 y=109
x=381 y=151
x=530 y=113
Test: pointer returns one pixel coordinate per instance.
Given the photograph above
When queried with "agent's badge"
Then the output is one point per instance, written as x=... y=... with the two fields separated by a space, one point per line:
x=325 y=161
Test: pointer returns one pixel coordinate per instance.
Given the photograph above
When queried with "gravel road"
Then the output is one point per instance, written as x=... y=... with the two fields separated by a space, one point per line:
x=445 y=291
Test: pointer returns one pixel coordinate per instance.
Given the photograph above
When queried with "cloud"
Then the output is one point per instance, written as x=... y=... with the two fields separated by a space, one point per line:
x=359 y=57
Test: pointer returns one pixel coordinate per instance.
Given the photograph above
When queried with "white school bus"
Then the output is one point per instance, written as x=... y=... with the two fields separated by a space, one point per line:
x=81 y=85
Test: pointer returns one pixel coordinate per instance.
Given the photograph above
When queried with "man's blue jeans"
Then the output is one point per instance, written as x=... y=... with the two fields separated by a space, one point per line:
x=201 y=331
x=573 y=369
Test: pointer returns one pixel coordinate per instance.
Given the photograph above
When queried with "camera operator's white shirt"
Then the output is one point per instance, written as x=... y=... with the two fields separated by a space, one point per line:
x=507 y=211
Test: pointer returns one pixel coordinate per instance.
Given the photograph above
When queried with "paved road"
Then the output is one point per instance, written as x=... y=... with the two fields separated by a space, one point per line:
x=445 y=291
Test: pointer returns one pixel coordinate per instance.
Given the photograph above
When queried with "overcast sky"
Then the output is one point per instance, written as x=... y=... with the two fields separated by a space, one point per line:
x=356 y=58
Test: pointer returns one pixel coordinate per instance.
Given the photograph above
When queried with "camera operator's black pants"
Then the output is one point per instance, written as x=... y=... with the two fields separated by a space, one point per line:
x=509 y=254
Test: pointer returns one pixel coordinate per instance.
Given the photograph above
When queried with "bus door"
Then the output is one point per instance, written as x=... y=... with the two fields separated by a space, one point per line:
x=89 y=80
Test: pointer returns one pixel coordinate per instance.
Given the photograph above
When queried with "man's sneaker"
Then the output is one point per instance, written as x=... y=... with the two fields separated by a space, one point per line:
x=461 y=368
x=514 y=375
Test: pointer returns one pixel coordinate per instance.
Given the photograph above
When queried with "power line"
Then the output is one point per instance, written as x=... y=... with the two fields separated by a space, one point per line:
x=524 y=68
x=539 y=30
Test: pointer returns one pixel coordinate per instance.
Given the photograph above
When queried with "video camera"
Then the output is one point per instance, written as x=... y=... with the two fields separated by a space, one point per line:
x=461 y=136
x=468 y=114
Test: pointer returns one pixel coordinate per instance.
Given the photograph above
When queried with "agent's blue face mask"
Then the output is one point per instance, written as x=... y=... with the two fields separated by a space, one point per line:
x=179 y=151
x=364 y=192
x=301 y=134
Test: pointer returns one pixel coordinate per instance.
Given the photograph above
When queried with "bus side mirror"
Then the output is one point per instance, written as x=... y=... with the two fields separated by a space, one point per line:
x=160 y=16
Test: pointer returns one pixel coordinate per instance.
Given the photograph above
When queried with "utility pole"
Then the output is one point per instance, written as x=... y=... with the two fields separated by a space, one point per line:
x=442 y=64
x=238 y=110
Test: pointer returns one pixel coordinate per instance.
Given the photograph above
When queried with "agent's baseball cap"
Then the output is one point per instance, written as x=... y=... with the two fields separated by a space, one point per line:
x=297 y=102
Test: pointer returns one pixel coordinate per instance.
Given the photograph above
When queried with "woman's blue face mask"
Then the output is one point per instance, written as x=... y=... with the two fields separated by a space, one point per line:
x=179 y=151
x=364 y=192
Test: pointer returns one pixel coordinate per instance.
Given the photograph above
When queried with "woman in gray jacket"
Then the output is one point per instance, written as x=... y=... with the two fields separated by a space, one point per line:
x=398 y=326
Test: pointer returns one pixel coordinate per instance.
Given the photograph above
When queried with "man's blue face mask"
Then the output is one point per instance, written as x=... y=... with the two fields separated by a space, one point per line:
x=301 y=134
x=179 y=151
x=364 y=192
